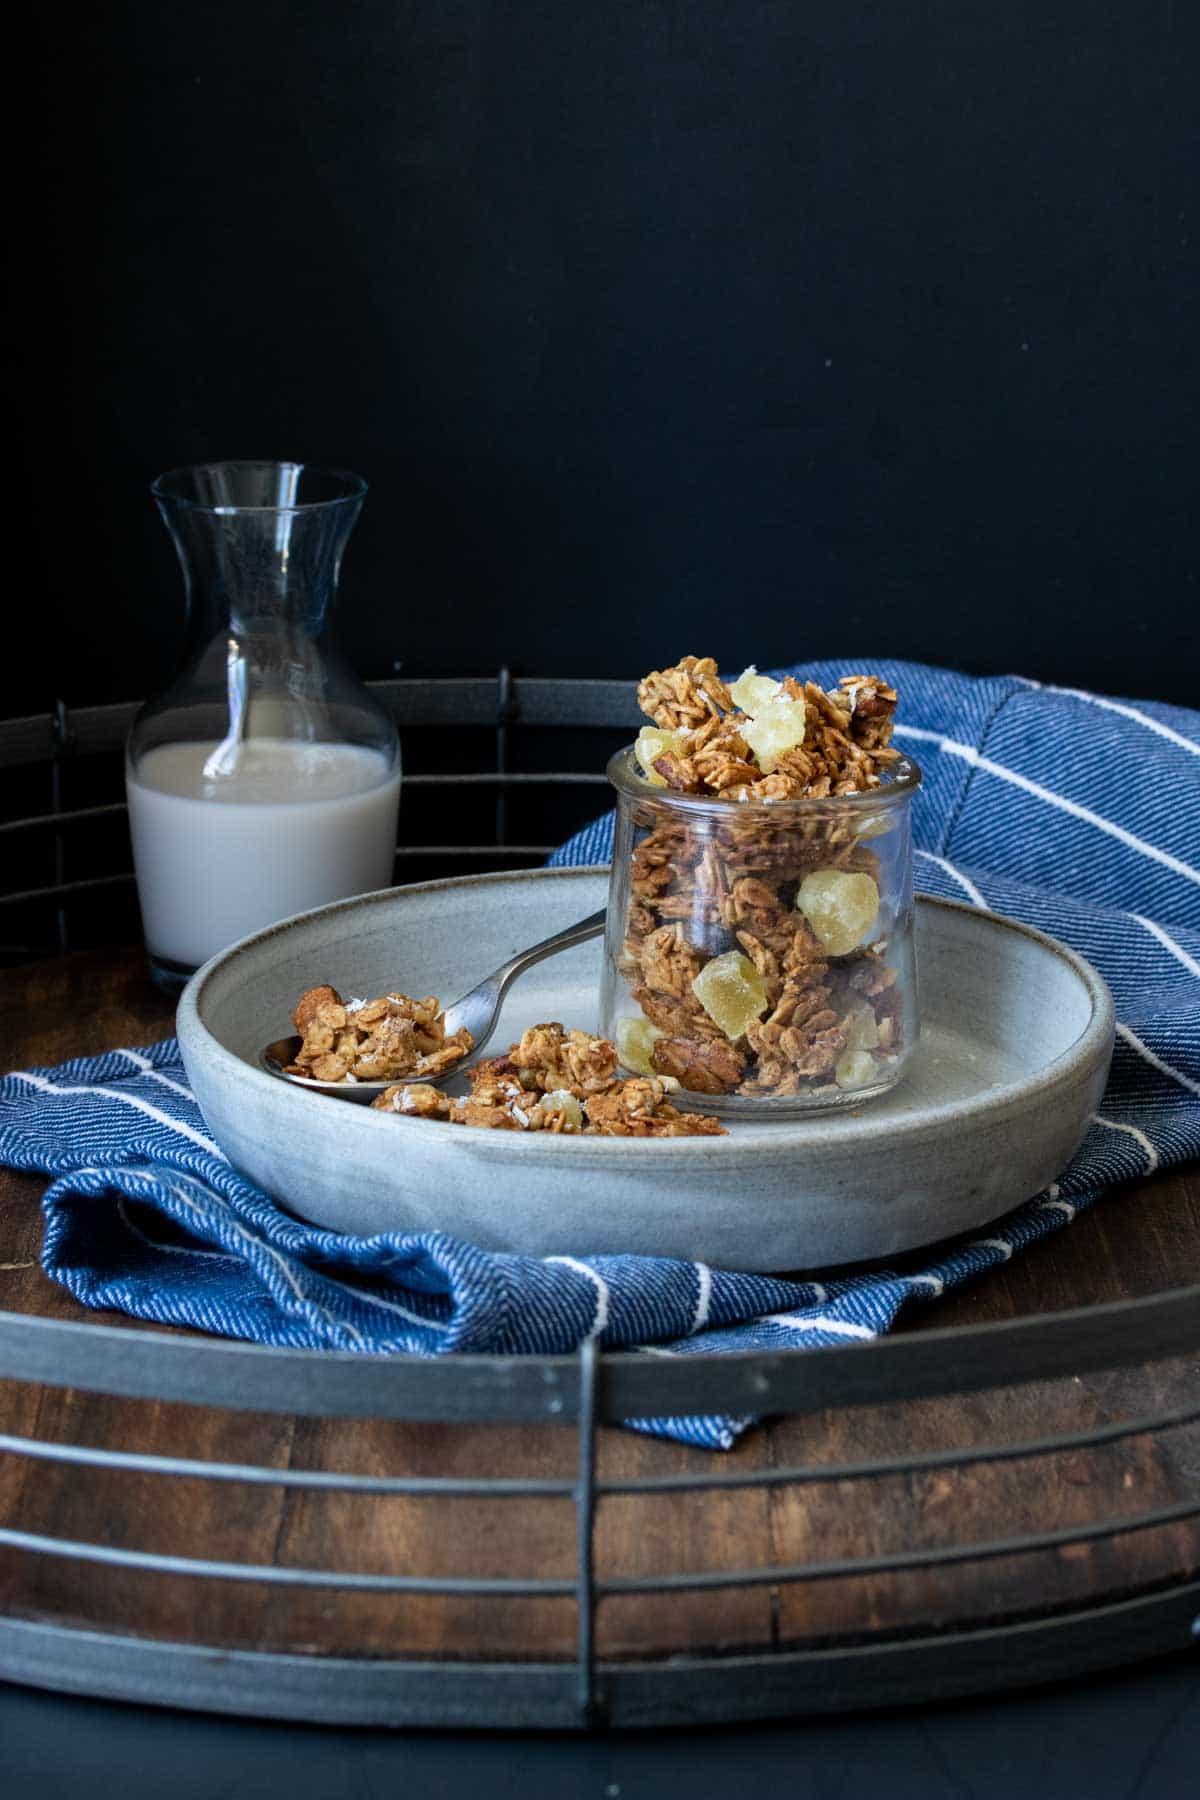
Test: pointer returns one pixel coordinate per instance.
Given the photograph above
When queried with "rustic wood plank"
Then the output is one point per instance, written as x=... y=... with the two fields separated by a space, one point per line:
x=1136 y=1242
x=528 y=1537
x=146 y=1512
x=981 y=1502
x=1139 y=1241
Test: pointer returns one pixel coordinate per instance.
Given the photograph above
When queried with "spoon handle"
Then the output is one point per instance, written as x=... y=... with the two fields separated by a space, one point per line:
x=581 y=932
x=492 y=989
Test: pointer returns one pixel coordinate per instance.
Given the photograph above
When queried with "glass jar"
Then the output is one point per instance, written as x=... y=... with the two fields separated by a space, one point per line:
x=762 y=952
x=265 y=779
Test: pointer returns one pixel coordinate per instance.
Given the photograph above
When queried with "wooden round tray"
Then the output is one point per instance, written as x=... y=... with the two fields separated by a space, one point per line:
x=1139 y=1241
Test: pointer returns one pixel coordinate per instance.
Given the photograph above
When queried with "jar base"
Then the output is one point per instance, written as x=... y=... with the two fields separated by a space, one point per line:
x=755 y=1109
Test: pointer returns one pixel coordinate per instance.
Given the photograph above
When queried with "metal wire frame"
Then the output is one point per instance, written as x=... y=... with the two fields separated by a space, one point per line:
x=580 y=1391
x=584 y=1390
x=497 y=703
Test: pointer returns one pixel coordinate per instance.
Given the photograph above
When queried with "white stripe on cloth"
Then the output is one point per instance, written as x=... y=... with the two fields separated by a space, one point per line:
x=838 y=1327
x=1156 y=1062
x=600 y=1285
x=934 y=1282
x=968 y=754
x=1168 y=943
x=1143 y=1140
x=968 y=887
x=1128 y=712
x=153 y=1243
x=195 y=1250
x=703 y=1298
x=52 y=1087
x=1052 y=1202
x=394 y=1306
x=147 y=1067
x=280 y=1260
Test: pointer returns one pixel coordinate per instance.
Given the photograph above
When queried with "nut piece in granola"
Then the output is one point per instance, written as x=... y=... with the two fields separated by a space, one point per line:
x=872 y=704
x=709 y=1067
x=841 y=906
x=732 y=993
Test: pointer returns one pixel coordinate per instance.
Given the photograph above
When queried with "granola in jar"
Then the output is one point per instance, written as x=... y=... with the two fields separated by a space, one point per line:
x=759 y=946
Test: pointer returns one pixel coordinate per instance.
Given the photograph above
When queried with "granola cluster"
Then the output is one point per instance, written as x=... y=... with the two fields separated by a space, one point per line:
x=558 y=1081
x=373 y=1040
x=754 y=944
x=763 y=739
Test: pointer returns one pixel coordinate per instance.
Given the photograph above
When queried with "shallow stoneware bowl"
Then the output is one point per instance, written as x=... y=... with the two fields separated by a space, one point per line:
x=1016 y=1037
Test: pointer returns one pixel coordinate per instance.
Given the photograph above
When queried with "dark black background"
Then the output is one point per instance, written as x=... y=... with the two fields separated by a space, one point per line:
x=773 y=329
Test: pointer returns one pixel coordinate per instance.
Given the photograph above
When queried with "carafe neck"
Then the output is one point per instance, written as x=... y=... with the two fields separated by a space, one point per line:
x=259 y=571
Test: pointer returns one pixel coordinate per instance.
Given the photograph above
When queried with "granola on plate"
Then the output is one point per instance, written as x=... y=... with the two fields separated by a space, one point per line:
x=564 y=1082
x=373 y=1040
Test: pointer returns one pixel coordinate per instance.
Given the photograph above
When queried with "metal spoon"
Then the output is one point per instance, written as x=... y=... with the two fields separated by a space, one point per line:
x=478 y=1011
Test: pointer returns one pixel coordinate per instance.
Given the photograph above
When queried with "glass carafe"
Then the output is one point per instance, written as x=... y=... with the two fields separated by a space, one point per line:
x=265 y=778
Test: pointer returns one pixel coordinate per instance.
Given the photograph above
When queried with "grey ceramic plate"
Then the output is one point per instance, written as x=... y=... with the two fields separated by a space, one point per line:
x=1016 y=1038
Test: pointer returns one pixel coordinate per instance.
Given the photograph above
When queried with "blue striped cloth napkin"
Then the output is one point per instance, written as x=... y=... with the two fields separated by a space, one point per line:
x=1076 y=813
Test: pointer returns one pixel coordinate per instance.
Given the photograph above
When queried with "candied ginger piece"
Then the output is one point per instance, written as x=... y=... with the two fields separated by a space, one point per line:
x=752 y=691
x=732 y=992
x=840 y=906
x=877 y=825
x=651 y=743
x=636 y=1038
x=557 y=1111
x=775 y=729
x=855 y=1069
x=862 y=1029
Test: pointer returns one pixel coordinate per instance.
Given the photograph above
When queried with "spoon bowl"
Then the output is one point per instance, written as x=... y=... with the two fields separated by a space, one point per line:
x=478 y=1010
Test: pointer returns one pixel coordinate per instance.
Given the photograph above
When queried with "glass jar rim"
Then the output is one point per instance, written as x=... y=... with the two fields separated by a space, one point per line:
x=626 y=776
x=168 y=485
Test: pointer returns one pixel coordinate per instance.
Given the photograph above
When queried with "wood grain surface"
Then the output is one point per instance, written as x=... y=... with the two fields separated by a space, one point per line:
x=1139 y=1240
